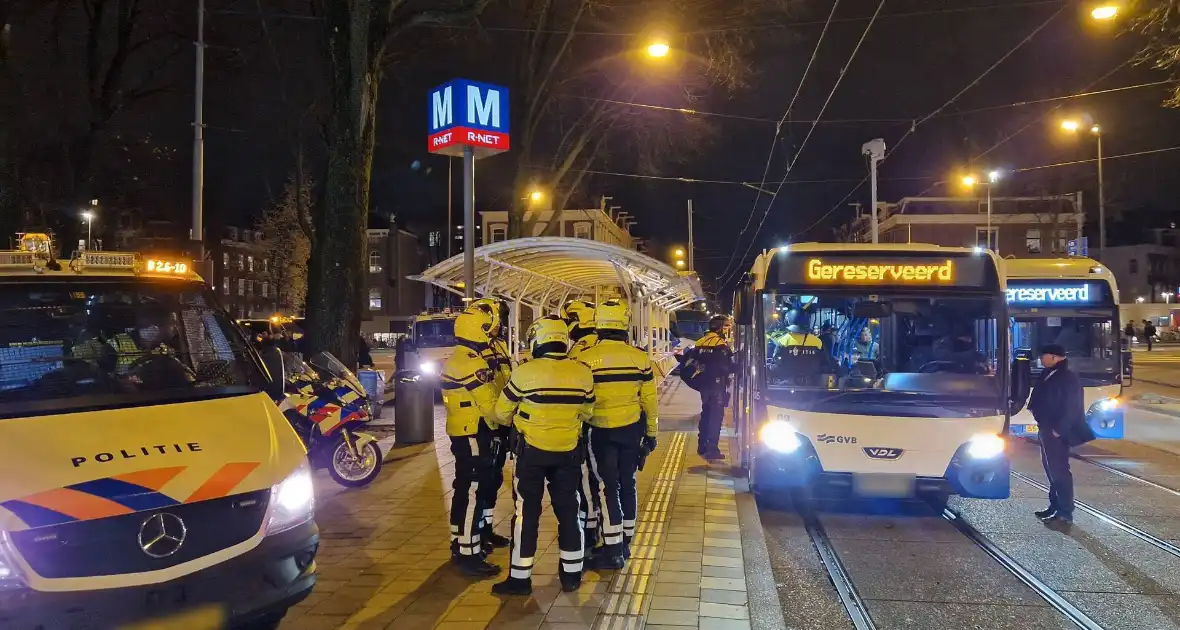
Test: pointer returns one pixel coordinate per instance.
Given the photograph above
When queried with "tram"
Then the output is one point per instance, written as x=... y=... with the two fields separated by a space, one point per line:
x=1073 y=302
x=883 y=370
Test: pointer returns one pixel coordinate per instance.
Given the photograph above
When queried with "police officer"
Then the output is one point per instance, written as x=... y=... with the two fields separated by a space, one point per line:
x=713 y=351
x=579 y=315
x=497 y=356
x=547 y=400
x=469 y=395
x=624 y=396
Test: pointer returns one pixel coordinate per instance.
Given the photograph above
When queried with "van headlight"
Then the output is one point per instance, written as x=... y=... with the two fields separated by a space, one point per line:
x=779 y=436
x=10 y=577
x=292 y=502
x=428 y=367
x=1106 y=404
x=985 y=446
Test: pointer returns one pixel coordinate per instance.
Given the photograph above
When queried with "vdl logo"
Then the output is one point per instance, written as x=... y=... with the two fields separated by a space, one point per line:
x=878 y=452
x=835 y=439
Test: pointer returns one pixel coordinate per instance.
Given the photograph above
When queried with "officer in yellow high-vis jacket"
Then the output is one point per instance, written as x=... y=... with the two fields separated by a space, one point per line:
x=496 y=354
x=579 y=316
x=469 y=395
x=624 y=424
x=547 y=400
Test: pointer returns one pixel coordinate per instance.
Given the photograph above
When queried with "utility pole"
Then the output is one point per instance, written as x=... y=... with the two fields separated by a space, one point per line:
x=1101 y=201
x=450 y=189
x=691 y=267
x=197 y=236
x=875 y=150
x=469 y=222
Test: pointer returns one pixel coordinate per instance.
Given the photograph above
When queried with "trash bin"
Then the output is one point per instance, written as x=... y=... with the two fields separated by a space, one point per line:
x=374 y=383
x=413 y=416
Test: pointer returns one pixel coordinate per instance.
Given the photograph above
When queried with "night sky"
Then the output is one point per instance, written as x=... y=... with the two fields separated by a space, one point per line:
x=262 y=87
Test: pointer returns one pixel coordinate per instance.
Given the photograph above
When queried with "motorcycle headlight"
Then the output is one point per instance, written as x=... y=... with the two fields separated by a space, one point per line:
x=1106 y=404
x=985 y=446
x=428 y=367
x=292 y=502
x=779 y=436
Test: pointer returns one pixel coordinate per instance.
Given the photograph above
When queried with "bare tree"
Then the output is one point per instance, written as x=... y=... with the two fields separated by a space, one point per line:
x=357 y=38
x=286 y=246
x=1158 y=21
x=579 y=99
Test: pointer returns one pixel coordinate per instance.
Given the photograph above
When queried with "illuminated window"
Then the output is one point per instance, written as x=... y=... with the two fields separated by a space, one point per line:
x=582 y=230
x=265 y=289
x=250 y=263
x=264 y=264
x=241 y=262
x=225 y=286
x=1032 y=241
x=225 y=260
x=497 y=234
x=241 y=286
x=375 y=263
x=988 y=238
x=374 y=299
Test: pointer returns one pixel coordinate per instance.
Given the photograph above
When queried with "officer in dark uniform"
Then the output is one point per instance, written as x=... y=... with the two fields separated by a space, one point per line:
x=469 y=395
x=546 y=401
x=714 y=353
x=624 y=395
x=1058 y=406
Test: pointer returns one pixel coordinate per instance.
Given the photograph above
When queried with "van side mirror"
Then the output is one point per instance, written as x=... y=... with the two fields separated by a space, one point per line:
x=272 y=359
x=1021 y=375
x=743 y=302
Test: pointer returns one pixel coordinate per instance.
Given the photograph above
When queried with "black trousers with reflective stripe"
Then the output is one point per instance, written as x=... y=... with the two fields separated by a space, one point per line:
x=561 y=471
x=613 y=458
x=472 y=462
x=587 y=500
x=490 y=487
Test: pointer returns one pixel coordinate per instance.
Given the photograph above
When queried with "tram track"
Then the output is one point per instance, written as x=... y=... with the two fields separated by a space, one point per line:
x=1113 y=470
x=856 y=607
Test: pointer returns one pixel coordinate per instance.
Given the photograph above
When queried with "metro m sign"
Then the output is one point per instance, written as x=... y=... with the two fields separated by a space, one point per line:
x=467 y=113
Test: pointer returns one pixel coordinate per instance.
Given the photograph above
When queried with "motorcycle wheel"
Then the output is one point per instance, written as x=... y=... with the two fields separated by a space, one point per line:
x=348 y=472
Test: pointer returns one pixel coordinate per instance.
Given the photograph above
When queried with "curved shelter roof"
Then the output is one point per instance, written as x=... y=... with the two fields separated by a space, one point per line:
x=545 y=271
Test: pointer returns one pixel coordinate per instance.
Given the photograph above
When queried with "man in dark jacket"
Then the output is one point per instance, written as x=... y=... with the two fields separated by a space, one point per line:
x=1058 y=407
x=715 y=356
x=1148 y=333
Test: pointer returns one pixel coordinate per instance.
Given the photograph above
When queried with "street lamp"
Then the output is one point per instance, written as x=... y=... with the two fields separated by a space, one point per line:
x=1104 y=12
x=679 y=252
x=1073 y=125
x=658 y=49
x=993 y=176
x=88 y=217
x=680 y=263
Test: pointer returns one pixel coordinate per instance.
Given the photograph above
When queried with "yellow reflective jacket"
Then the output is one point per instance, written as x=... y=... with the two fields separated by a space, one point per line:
x=547 y=400
x=788 y=339
x=624 y=385
x=500 y=361
x=469 y=391
x=583 y=344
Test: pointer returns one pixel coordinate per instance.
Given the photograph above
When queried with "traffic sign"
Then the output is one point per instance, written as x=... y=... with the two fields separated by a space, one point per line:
x=467 y=113
x=1078 y=247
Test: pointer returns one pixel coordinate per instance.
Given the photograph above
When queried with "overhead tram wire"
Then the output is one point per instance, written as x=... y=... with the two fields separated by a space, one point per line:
x=803 y=145
x=778 y=130
x=1028 y=38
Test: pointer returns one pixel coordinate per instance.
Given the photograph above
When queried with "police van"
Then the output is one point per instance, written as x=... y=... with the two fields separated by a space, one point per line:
x=145 y=473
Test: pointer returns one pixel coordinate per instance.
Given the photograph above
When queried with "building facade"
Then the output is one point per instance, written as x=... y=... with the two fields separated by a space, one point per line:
x=595 y=224
x=391 y=299
x=240 y=270
x=1147 y=273
x=1018 y=226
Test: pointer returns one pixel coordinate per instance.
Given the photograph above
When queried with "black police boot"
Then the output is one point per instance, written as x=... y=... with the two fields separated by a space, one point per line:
x=514 y=586
x=476 y=567
x=591 y=540
x=570 y=582
x=626 y=547
x=714 y=454
x=491 y=538
x=1046 y=513
x=606 y=558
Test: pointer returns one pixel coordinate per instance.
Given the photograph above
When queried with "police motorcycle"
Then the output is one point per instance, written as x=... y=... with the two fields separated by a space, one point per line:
x=326 y=404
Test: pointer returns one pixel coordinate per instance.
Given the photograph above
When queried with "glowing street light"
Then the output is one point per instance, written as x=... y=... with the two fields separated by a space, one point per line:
x=88 y=217
x=536 y=195
x=679 y=252
x=1105 y=12
x=1074 y=125
x=993 y=176
x=658 y=50
x=1070 y=125
x=680 y=263
x=969 y=180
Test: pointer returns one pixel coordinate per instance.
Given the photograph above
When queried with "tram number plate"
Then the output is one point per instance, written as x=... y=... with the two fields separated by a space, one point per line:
x=884 y=485
x=1031 y=429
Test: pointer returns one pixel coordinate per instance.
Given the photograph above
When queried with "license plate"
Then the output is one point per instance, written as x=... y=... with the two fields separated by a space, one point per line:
x=201 y=618
x=883 y=485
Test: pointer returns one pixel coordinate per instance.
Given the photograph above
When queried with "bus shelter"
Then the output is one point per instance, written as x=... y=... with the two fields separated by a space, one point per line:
x=539 y=274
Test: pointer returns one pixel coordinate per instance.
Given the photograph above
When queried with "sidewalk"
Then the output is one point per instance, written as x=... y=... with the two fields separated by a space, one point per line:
x=385 y=557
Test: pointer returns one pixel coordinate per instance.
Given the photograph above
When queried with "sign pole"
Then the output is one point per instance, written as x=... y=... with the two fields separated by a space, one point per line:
x=469 y=222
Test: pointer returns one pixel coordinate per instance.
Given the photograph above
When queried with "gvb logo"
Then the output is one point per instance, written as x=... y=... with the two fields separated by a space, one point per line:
x=877 y=452
x=835 y=439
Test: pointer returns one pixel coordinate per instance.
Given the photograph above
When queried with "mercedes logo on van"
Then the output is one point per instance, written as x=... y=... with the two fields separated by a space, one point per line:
x=162 y=535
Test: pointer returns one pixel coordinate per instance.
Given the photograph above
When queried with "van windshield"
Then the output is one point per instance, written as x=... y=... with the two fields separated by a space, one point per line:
x=71 y=344
x=434 y=333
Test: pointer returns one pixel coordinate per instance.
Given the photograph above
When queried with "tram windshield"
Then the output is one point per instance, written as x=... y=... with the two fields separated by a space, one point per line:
x=909 y=346
x=1090 y=342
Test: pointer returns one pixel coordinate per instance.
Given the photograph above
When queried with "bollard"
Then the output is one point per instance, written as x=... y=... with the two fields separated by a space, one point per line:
x=413 y=419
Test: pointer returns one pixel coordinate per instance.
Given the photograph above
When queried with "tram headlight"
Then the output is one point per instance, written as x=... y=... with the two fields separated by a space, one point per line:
x=1106 y=404
x=779 y=436
x=985 y=446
